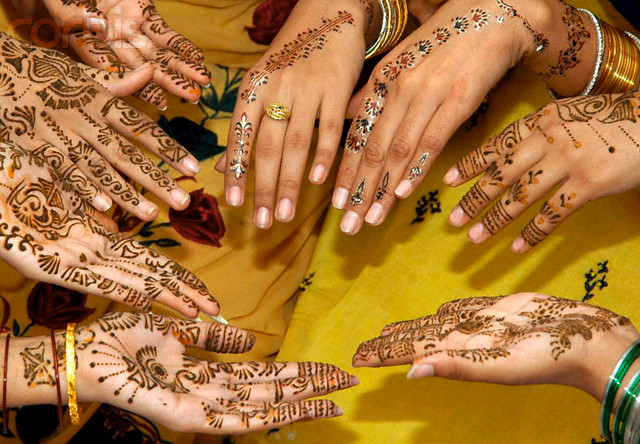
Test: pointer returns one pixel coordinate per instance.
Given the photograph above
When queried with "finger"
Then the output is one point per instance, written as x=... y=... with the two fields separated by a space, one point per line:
x=172 y=274
x=385 y=351
x=153 y=94
x=288 y=389
x=373 y=159
x=163 y=36
x=133 y=163
x=479 y=364
x=169 y=59
x=478 y=160
x=221 y=163
x=268 y=159
x=87 y=281
x=331 y=123
x=297 y=143
x=136 y=126
x=498 y=176
x=530 y=188
x=281 y=415
x=94 y=51
x=446 y=318
x=85 y=15
x=560 y=206
x=257 y=372
x=72 y=175
x=214 y=337
x=121 y=84
x=361 y=127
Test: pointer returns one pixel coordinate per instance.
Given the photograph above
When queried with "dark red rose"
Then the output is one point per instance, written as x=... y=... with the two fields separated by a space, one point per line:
x=268 y=18
x=54 y=307
x=201 y=222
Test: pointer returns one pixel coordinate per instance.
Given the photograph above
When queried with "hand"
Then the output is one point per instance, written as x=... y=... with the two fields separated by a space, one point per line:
x=49 y=233
x=525 y=338
x=311 y=67
x=58 y=109
x=422 y=91
x=423 y=10
x=589 y=146
x=138 y=362
x=121 y=35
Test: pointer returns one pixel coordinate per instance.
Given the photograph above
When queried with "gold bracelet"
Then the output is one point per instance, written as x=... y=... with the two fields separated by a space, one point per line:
x=71 y=374
x=620 y=69
x=394 y=22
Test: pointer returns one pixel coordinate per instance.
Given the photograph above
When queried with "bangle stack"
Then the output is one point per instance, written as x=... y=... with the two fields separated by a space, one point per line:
x=394 y=21
x=628 y=411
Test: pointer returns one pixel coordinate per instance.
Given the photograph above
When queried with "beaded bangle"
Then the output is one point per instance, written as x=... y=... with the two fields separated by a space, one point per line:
x=56 y=371
x=622 y=415
x=615 y=379
x=596 y=70
x=5 y=412
x=71 y=374
x=394 y=21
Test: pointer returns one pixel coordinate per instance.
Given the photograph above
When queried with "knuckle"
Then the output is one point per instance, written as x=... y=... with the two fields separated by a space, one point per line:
x=400 y=149
x=432 y=143
x=298 y=139
x=324 y=155
x=289 y=185
x=263 y=194
x=374 y=154
x=332 y=125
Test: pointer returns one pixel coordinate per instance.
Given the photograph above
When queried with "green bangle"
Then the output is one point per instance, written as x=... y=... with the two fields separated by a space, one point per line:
x=619 y=372
x=622 y=415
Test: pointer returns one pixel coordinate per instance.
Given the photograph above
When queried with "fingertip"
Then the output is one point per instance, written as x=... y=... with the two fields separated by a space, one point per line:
x=418 y=371
x=147 y=211
x=403 y=190
x=192 y=165
x=452 y=176
x=518 y=245
x=457 y=216
x=475 y=233
x=235 y=196
x=318 y=175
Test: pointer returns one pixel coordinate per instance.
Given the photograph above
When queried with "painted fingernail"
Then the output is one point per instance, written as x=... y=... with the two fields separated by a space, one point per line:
x=349 y=222
x=452 y=176
x=192 y=165
x=221 y=320
x=235 y=197
x=374 y=214
x=284 y=209
x=403 y=189
x=262 y=218
x=456 y=218
x=518 y=245
x=102 y=203
x=317 y=176
x=148 y=208
x=180 y=196
x=97 y=23
x=475 y=233
x=418 y=371
x=340 y=197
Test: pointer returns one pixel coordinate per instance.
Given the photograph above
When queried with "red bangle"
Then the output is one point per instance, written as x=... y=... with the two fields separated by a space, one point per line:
x=5 y=412
x=57 y=373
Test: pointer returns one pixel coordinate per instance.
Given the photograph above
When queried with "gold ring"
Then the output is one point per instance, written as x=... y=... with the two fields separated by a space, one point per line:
x=278 y=111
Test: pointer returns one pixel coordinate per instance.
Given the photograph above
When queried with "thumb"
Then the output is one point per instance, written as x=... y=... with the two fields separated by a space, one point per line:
x=480 y=365
x=120 y=83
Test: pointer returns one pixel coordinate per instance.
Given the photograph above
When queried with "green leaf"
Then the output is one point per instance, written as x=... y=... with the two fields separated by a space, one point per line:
x=210 y=99
x=16 y=328
x=228 y=101
x=166 y=243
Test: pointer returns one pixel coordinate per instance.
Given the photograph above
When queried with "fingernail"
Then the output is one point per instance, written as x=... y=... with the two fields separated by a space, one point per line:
x=418 y=371
x=403 y=189
x=164 y=109
x=192 y=165
x=198 y=319
x=340 y=197
x=195 y=103
x=180 y=196
x=339 y=411
x=262 y=218
x=452 y=176
x=284 y=209
x=317 y=176
x=234 y=196
x=476 y=232
x=221 y=320
x=102 y=203
x=354 y=380
x=518 y=245
x=148 y=208
x=141 y=67
x=208 y=85
x=456 y=218
x=97 y=22
x=374 y=214
x=349 y=222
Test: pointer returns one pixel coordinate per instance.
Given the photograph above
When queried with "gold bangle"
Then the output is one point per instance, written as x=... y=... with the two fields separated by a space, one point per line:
x=394 y=22
x=71 y=374
x=620 y=70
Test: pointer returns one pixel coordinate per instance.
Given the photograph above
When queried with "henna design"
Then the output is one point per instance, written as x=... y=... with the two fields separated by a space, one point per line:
x=540 y=40
x=576 y=38
x=239 y=164
x=416 y=171
x=382 y=190
x=496 y=218
x=357 y=199
x=474 y=200
x=38 y=370
x=151 y=93
x=300 y=48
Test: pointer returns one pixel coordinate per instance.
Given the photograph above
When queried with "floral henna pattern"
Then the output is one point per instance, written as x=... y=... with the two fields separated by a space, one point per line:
x=239 y=163
x=299 y=49
x=576 y=38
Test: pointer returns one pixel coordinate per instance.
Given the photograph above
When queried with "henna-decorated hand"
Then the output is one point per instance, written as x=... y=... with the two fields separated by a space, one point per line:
x=58 y=109
x=121 y=35
x=525 y=338
x=423 y=90
x=49 y=233
x=588 y=145
x=311 y=67
x=138 y=362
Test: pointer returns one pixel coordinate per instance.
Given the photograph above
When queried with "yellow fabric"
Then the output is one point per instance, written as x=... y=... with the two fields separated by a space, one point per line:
x=402 y=271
